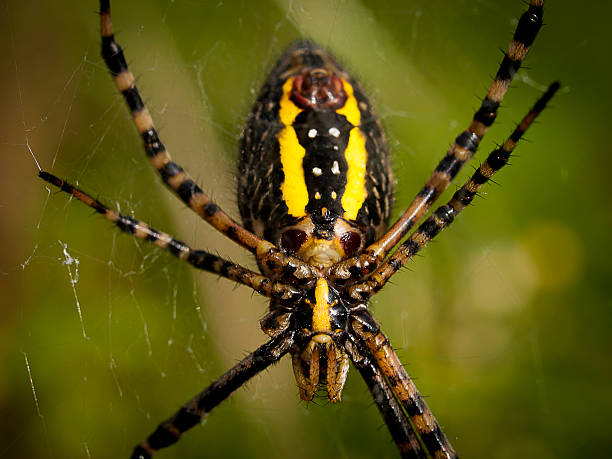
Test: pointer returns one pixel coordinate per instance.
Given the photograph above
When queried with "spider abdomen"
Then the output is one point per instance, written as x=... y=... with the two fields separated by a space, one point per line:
x=314 y=160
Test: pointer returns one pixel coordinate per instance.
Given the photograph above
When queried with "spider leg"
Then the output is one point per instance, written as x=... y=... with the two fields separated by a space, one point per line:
x=461 y=151
x=394 y=416
x=444 y=215
x=170 y=431
x=198 y=258
x=172 y=174
x=422 y=419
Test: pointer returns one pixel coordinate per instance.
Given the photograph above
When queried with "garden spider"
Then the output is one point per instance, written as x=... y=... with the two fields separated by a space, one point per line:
x=315 y=194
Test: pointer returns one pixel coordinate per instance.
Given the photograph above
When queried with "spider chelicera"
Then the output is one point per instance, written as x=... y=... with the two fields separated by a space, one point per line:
x=315 y=194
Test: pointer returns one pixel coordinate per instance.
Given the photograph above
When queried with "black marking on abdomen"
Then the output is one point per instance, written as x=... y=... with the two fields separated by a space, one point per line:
x=325 y=136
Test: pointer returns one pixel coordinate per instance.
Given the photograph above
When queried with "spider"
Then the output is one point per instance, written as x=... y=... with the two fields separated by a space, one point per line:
x=315 y=192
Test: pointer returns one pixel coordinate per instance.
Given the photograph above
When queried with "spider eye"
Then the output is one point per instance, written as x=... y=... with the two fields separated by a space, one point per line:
x=350 y=242
x=293 y=239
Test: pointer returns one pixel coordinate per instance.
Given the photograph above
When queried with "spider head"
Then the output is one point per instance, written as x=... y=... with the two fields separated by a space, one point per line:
x=320 y=321
x=320 y=362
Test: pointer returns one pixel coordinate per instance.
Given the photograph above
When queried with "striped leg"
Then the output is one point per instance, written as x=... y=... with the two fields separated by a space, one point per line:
x=444 y=215
x=422 y=419
x=170 y=431
x=197 y=258
x=462 y=149
x=391 y=411
x=173 y=175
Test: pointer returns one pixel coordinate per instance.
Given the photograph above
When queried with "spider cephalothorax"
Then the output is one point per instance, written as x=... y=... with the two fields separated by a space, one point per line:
x=315 y=191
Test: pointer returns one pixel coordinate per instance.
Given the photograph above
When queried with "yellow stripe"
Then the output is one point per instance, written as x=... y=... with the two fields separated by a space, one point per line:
x=321 y=321
x=292 y=154
x=350 y=109
x=288 y=110
x=356 y=156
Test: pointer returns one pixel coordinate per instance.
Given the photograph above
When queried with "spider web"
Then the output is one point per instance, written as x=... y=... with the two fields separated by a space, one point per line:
x=106 y=336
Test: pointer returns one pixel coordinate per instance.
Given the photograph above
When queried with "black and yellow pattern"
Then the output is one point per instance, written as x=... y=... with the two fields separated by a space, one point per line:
x=315 y=190
x=324 y=159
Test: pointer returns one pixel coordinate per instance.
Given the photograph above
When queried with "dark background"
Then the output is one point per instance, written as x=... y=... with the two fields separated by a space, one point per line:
x=504 y=322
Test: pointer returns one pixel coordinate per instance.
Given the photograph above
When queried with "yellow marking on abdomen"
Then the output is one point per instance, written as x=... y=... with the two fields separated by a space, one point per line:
x=355 y=191
x=350 y=109
x=288 y=111
x=321 y=322
x=356 y=157
x=292 y=155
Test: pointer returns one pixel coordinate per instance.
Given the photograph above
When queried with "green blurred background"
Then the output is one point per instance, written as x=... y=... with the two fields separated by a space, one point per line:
x=504 y=321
